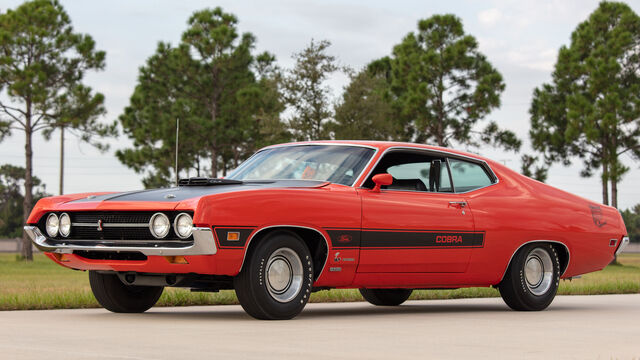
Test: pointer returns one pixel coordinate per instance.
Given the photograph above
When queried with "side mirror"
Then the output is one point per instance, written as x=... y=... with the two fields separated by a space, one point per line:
x=381 y=179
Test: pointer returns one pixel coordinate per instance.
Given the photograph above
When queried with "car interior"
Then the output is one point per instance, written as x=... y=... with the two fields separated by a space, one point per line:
x=429 y=172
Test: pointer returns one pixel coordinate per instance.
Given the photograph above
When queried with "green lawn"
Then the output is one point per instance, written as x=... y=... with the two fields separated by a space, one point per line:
x=42 y=284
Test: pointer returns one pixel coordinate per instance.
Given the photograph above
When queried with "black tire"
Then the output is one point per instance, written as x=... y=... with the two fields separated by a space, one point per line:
x=386 y=297
x=517 y=292
x=253 y=284
x=117 y=297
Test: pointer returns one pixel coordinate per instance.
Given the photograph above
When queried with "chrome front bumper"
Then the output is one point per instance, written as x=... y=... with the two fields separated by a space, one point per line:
x=203 y=244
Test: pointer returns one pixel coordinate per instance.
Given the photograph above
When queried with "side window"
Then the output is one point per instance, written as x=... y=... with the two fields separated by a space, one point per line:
x=413 y=170
x=445 y=180
x=468 y=176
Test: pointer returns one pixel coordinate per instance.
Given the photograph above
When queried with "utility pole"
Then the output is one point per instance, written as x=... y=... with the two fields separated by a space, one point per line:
x=177 y=138
x=61 y=160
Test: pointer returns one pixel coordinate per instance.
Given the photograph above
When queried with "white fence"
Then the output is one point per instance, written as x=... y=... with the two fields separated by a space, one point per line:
x=10 y=245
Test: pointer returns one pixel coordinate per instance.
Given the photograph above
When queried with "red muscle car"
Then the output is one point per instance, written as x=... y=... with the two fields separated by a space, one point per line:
x=382 y=217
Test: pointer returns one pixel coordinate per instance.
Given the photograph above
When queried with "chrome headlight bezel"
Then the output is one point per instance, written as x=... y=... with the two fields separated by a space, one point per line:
x=52 y=220
x=64 y=224
x=152 y=221
x=176 y=225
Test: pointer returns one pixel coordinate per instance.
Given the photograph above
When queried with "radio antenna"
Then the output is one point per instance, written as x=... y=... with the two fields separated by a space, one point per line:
x=177 y=138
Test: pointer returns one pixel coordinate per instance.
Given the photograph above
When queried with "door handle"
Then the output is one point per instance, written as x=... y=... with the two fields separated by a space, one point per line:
x=457 y=204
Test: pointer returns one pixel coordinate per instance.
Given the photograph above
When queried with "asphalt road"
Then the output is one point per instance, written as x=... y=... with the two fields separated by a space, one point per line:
x=578 y=327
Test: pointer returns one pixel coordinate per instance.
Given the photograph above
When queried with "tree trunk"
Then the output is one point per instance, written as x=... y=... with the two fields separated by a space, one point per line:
x=614 y=192
x=440 y=136
x=214 y=163
x=213 y=110
x=61 y=160
x=614 y=203
x=605 y=182
x=27 y=251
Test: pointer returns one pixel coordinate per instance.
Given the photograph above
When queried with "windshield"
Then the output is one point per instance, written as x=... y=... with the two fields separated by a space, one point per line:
x=337 y=164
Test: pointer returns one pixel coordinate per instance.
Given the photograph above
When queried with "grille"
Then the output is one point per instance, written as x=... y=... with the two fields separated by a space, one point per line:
x=115 y=233
x=85 y=226
x=129 y=217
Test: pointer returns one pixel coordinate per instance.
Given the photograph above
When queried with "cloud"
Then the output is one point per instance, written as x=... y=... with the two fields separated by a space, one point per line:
x=489 y=17
x=535 y=56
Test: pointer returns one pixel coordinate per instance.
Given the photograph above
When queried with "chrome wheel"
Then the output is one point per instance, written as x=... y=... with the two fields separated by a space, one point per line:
x=538 y=271
x=284 y=274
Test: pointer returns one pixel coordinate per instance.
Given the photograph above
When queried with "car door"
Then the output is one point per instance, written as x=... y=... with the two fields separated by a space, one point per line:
x=421 y=229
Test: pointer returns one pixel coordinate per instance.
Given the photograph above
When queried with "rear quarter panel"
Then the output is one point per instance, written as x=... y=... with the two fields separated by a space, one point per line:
x=518 y=210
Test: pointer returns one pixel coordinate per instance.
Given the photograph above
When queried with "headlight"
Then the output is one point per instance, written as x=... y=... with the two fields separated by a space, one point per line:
x=65 y=225
x=52 y=225
x=183 y=225
x=159 y=225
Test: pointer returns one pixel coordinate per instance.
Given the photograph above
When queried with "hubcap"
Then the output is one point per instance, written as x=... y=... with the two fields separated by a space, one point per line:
x=279 y=274
x=538 y=271
x=284 y=275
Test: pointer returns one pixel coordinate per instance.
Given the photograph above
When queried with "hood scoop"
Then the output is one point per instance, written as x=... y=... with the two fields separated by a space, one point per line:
x=202 y=181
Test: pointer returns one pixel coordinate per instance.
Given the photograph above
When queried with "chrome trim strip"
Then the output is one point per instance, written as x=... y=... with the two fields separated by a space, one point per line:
x=125 y=225
x=305 y=143
x=203 y=244
x=404 y=147
x=535 y=241
x=357 y=179
x=623 y=244
x=453 y=186
x=283 y=226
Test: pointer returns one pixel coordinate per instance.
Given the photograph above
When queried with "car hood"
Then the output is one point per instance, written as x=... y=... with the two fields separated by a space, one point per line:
x=180 y=193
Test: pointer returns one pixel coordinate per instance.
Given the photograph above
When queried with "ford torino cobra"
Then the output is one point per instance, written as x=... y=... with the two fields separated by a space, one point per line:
x=382 y=217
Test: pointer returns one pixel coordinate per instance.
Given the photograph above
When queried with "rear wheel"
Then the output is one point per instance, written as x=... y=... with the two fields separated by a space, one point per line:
x=386 y=297
x=276 y=279
x=532 y=279
x=117 y=297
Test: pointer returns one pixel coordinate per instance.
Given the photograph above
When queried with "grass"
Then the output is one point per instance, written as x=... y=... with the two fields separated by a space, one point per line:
x=42 y=284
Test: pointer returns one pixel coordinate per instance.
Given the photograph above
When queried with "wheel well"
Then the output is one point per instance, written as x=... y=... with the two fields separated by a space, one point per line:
x=560 y=248
x=314 y=240
x=563 y=256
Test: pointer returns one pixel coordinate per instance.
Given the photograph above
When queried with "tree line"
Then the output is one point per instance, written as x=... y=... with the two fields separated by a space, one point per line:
x=434 y=87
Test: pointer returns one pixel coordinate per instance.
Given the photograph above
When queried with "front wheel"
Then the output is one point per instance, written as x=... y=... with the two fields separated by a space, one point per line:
x=386 y=297
x=276 y=279
x=532 y=279
x=117 y=297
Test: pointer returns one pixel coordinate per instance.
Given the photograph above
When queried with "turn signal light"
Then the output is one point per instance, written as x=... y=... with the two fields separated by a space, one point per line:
x=233 y=236
x=176 y=259
x=62 y=257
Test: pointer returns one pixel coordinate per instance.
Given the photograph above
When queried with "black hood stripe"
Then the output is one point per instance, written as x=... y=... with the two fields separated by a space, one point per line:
x=181 y=193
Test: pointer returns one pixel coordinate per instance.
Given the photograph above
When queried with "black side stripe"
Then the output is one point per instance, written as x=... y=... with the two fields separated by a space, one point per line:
x=402 y=239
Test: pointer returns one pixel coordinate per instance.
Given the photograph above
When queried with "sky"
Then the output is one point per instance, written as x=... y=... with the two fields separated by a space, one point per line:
x=520 y=38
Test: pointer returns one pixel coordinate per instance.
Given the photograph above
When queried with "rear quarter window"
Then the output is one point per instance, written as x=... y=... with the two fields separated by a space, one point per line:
x=468 y=176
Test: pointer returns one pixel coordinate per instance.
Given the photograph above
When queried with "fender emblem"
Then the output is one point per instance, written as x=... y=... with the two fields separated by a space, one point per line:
x=345 y=238
x=100 y=225
x=598 y=217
